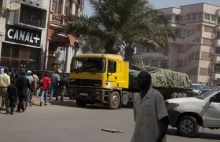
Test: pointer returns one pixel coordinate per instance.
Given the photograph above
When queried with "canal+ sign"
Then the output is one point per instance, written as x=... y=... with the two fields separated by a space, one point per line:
x=23 y=35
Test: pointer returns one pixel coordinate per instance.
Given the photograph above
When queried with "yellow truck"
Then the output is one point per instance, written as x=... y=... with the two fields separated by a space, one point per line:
x=99 y=78
x=107 y=79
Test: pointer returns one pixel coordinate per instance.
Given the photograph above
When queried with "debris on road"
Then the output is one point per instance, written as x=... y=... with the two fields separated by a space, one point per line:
x=112 y=130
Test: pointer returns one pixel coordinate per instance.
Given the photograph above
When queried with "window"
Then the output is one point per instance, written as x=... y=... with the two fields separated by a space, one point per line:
x=213 y=18
x=217 y=68
x=199 y=16
x=169 y=17
x=218 y=20
x=207 y=16
x=68 y=7
x=56 y=6
x=180 y=18
x=217 y=50
x=164 y=64
x=217 y=98
x=218 y=35
x=155 y=63
x=194 y=16
x=209 y=29
x=177 y=18
x=188 y=17
x=111 y=66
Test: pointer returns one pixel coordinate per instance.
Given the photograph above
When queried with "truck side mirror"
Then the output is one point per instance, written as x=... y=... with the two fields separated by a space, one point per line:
x=212 y=99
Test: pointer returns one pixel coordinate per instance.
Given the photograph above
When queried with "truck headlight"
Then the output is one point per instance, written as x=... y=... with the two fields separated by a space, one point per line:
x=171 y=106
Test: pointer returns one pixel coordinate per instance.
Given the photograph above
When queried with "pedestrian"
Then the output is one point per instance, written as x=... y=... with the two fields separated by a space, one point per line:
x=12 y=96
x=45 y=84
x=63 y=84
x=150 y=113
x=54 y=85
x=4 y=82
x=36 y=82
x=31 y=81
x=23 y=84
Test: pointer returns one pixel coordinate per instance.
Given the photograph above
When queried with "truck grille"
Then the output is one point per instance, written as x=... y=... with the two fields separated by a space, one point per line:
x=85 y=82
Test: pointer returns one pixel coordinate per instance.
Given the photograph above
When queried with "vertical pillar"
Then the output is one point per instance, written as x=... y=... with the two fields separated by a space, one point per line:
x=46 y=55
x=69 y=54
x=63 y=7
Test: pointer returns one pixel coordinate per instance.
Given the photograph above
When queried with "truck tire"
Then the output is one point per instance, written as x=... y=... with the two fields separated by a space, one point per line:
x=80 y=103
x=184 y=95
x=114 y=100
x=174 y=95
x=187 y=126
x=179 y=95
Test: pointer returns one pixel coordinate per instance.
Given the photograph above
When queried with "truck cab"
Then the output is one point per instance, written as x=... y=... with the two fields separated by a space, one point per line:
x=99 y=78
x=187 y=114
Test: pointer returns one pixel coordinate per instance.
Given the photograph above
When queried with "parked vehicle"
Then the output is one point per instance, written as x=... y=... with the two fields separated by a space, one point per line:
x=106 y=79
x=203 y=90
x=187 y=114
x=196 y=88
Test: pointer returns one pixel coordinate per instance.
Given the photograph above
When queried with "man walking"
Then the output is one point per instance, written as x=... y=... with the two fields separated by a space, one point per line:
x=31 y=81
x=150 y=113
x=4 y=83
x=36 y=82
x=45 y=83
x=63 y=84
x=54 y=85
x=23 y=84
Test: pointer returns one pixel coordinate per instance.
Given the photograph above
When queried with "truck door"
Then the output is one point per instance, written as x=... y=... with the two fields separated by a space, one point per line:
x=111 y=75
x=213 y=112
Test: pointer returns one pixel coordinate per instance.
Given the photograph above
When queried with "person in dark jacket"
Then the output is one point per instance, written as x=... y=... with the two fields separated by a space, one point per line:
x=23 y=84
x=63 y=84
x=12 y=96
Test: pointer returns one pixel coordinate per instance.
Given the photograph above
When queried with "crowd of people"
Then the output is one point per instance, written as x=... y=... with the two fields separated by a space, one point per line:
x=18 y=89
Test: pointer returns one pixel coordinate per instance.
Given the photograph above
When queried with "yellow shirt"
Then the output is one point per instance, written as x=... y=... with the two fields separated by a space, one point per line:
x=4 y=80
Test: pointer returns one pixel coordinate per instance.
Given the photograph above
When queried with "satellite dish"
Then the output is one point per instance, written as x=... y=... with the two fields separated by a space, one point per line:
x=13 y=6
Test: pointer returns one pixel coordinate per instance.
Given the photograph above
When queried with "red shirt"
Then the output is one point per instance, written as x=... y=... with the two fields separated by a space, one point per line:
x=45 y=83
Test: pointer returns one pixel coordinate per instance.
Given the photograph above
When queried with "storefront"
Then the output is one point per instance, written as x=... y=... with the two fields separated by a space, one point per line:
x=21 y=48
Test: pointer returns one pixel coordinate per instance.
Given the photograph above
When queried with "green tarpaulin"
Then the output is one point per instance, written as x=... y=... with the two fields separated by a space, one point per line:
x=161 y=77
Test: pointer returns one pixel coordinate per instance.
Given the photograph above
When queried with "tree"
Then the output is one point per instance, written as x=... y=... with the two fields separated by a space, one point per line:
x=122 y=24
x=90 y=44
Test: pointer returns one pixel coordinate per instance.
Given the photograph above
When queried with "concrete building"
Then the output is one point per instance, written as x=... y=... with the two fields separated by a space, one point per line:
x=22 y=33
x=196 y=51
x=58 y=9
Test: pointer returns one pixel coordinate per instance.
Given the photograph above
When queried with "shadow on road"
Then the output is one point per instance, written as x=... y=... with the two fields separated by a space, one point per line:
x=71 y=103
x=201 y=135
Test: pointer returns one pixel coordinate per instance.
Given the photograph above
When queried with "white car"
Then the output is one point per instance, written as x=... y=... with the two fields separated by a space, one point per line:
x=197 y=87
x=187 y=114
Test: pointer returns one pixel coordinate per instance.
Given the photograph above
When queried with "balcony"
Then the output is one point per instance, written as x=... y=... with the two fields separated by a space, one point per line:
x=217 y=42
x=216 y=59
x=215 y=76
x=217 y=28
x=57 y=19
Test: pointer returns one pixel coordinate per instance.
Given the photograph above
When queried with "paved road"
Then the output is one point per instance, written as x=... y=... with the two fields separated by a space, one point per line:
x=66 y=123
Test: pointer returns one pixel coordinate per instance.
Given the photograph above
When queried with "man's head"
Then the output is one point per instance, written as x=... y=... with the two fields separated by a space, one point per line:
x=6 y=70
x=29 y=72
x=144 y=80
x=23 y=73
x=46 y=74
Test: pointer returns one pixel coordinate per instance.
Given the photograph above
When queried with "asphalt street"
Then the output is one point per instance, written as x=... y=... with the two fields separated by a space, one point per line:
x=64 y=122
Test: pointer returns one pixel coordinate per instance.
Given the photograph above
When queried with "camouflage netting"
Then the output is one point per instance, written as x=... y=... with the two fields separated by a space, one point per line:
x=161 y=77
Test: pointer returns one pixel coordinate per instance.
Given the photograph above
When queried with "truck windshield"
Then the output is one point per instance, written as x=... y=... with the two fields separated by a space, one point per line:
x=88 y=65
x=208 y=93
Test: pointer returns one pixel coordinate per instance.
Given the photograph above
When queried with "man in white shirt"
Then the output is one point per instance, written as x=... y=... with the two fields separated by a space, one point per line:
x=4 y=83
x=150 y=113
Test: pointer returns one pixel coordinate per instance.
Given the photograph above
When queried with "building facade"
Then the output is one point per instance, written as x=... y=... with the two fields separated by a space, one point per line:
x=27 y=36
x=59 y=9
x=196 y=50
x=23 y=33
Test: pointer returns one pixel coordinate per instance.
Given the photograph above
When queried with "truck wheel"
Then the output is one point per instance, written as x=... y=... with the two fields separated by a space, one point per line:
x=80 y=103
x=184 y=95
x=114 y=100
x=179 y=95
x=174 y=95
x=187 y=126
